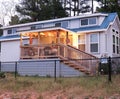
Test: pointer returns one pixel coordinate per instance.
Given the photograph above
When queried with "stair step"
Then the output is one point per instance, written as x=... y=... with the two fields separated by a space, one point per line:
x=75 y=66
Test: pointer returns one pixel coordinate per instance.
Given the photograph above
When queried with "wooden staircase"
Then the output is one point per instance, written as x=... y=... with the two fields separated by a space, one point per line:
x=77 y=59
x=76 y=66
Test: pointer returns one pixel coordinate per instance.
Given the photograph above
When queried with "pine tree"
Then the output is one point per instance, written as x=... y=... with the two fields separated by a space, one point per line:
x=37 y=10
x=109 y=6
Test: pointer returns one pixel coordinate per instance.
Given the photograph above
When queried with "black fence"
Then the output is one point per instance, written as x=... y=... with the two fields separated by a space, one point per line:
x=57 y=68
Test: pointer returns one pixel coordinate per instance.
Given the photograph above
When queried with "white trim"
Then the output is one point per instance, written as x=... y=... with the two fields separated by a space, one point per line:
x=89 y=31
x=48 y=29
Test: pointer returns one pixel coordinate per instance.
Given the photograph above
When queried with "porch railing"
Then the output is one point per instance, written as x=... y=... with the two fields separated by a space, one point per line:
x=66 y=52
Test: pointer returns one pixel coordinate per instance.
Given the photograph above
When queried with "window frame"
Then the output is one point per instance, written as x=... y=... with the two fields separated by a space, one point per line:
x=56 y=23
x=62 y=25
x=88 y=21
x=96 y=42
x=9 y=31
x=82 y=42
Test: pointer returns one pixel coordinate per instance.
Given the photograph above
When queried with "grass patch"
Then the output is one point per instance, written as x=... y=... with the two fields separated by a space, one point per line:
x=72 y=87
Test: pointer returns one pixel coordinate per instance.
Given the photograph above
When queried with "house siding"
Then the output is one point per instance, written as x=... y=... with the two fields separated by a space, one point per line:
x=10 y=51
x=74 y=23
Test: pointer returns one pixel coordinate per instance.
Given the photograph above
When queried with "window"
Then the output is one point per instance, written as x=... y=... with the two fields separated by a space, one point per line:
x=33 y=27
x=81 y=39
x=94 y=38
x=114 y=44
x=14 y=30
x=65 y=24
x=117 y=45
x=84 y=22
x=39 y=26
x=0 y=46
x=10 y=31
x=58 y=24
x=116 y=32
x=88 y=21
x=94 y=47
x=113 y=38
x=81 y=42
x=92 y=21
x=82 y=47
x=94 y=42
x=117 y=40
x=113 y=30
x=113 y=48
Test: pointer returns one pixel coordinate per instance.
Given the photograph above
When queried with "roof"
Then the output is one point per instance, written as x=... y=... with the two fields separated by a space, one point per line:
x=108 y=19
x=13 y=37
x=58 y=19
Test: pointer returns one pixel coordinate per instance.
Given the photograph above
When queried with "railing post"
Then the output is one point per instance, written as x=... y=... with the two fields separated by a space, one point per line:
x=15 y=70
x=109 y=69
x=55 y=71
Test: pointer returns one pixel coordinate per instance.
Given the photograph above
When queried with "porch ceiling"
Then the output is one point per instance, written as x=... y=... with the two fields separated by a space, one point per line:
x=50 y=32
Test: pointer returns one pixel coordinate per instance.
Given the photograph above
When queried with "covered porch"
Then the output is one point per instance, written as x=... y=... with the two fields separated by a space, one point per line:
x=46 y=44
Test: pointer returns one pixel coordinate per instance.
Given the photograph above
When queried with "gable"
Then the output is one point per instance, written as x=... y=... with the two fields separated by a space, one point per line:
x=116 y=24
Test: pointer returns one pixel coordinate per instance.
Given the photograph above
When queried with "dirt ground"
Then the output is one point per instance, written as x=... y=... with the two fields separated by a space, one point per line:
x=55 y=95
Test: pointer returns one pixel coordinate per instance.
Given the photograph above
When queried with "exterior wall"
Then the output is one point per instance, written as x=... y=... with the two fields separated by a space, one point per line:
x=101 y=45
x=23 y=28
x=10 y=51
x=5 y=33
x=48 y=25
x=100 y=20
x=109 y=42
x=116 y=27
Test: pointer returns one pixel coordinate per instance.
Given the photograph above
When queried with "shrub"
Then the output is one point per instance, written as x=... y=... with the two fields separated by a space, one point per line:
x=2 y=75
x=103 y=68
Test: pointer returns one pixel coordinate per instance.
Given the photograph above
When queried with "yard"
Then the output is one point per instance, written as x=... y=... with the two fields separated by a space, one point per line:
x=64 y=88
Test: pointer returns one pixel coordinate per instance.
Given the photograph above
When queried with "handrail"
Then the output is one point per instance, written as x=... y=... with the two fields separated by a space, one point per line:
x=82 y=51
x=78 y=57
x=83 y=55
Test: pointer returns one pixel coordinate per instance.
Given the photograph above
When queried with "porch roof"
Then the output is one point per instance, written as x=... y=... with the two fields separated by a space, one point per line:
x=10 y=37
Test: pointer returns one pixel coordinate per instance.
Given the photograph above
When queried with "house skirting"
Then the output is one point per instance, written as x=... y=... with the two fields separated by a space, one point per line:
x=41 y=67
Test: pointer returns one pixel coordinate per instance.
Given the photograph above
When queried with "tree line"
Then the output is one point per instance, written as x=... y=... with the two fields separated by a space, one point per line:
x=37 y=10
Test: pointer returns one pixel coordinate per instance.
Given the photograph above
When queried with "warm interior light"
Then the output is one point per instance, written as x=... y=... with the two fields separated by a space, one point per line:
x=41 y=33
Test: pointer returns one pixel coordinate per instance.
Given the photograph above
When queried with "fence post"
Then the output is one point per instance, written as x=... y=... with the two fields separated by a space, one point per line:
x=109 y=70
x=15 y=70
x=99 y=69
x=0 y=66
x=55 y=71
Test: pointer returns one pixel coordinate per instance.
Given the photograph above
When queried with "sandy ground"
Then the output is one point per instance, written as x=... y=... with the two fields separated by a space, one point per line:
x=48 y=95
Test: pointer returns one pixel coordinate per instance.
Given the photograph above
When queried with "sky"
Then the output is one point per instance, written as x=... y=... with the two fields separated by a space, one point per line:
x=6 y=10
